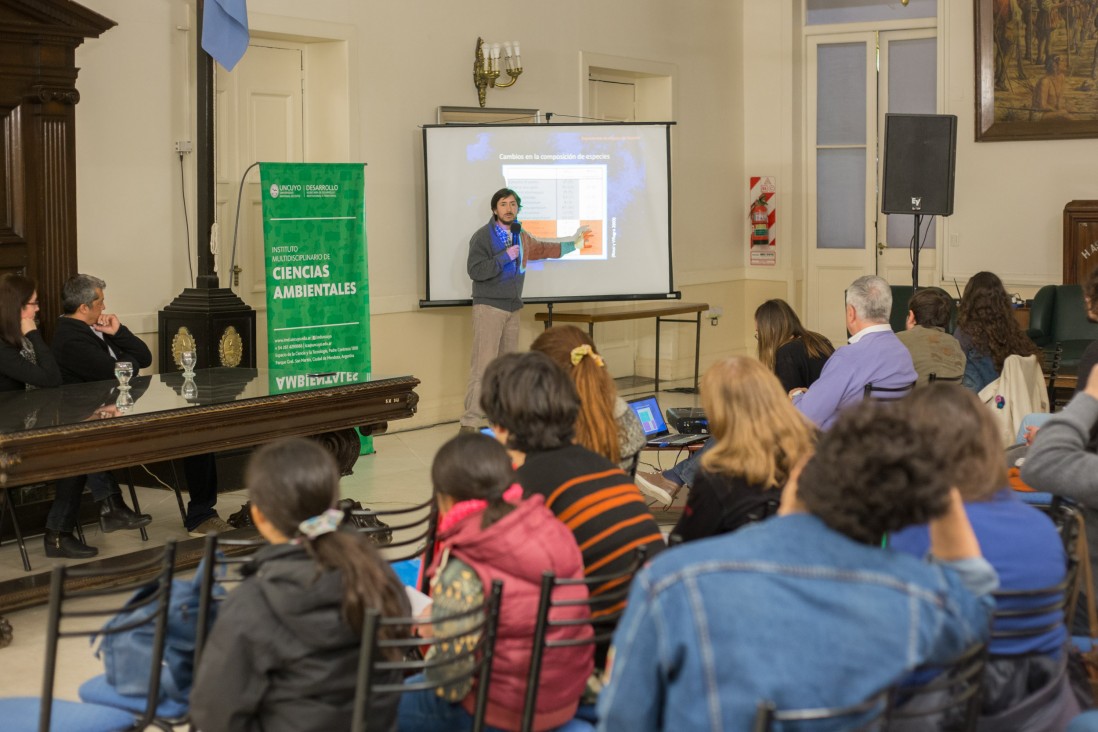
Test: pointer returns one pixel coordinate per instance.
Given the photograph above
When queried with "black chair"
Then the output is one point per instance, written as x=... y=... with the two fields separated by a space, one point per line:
x=886 y=392
x=220 y=557
x=475 y=662
x=7 y=508
x=86 y=620
x=1045 y=601
x=933 y=378
x=419 y=521
x=949 y=700
x=603 y=626
x=1068 y=520
x=867 y=715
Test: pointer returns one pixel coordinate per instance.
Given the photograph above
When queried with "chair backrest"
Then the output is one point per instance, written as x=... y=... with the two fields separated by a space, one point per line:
x=1069 y=316
x=603 y=625
x=1040 y=315
x=411 y=530
x=633 y=463
x=886 y=392
x=950 y=699
x=867 y=715
x=473 y=660
x=1032 y=613
x=220 y=557
x=933 y=377
x=64 y=621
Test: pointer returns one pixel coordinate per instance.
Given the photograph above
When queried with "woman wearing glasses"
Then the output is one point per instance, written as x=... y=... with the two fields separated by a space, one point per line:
x=25 y=360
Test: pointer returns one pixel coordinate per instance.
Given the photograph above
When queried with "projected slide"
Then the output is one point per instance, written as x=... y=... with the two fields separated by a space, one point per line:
x=557 y=199
x=612 y=178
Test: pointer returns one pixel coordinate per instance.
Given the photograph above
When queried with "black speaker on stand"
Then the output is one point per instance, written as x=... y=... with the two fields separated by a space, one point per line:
x=919 y=161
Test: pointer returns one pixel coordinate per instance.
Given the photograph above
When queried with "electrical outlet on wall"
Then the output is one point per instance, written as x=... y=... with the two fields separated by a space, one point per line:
x=714 y=313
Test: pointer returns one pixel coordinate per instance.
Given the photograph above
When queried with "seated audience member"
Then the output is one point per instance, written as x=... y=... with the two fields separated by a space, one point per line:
x=874 y=355
x=532 y=406
x=86 y=345
x=758 y=437
x=26 y=362
x=987 y=330
x=933 y=351
x=805 y=610
x=606 y=424
x=1090 y=355
x=796 y=355
x=1019 y=541
x=1062 y=460
x=284 y=651
x=486 y=531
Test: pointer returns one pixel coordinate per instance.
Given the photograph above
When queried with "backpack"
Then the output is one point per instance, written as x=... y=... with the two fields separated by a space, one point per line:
x=127 y=654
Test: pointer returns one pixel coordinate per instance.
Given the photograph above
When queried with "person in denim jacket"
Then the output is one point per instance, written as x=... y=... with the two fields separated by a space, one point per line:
x=806 y=609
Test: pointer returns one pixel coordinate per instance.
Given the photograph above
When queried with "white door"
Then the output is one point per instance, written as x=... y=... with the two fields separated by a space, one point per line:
x=613 y=99
x=853 y=80
x=259 y=119
x=907 y=85
x=841 y=173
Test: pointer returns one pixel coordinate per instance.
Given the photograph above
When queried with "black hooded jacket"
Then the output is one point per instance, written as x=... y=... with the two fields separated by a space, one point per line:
x=280 y=658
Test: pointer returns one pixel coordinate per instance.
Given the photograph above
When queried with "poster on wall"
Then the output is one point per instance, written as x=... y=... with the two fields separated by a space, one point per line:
x=763 y=215
x=314 y=236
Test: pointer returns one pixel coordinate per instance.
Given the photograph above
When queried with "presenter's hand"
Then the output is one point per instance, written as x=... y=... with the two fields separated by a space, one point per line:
x=27 y=325
x=582 y=236
x=107 y=323
x=513 y=252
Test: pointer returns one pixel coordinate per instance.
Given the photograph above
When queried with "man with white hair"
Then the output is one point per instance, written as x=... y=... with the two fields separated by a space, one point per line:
x=873 y=355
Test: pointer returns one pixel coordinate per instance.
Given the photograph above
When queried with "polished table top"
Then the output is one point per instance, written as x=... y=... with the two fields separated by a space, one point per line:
x=77 y=428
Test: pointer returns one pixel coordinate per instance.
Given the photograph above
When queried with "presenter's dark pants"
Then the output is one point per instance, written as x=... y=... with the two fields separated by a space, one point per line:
x=200 y=473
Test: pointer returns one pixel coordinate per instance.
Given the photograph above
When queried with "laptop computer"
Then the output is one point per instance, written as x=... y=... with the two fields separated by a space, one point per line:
x=656 y=432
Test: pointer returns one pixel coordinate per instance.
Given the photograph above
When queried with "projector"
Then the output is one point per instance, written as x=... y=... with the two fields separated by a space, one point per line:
x=688 y=420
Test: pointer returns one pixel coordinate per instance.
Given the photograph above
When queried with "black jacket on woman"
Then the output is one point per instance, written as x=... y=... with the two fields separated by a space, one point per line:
x=719 y=504
x=280 y=658
x=795 y=368
x=16 y=372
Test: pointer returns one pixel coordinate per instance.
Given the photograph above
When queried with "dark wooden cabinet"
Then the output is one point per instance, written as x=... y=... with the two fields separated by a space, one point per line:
x=1080 y=240
x=38 y=40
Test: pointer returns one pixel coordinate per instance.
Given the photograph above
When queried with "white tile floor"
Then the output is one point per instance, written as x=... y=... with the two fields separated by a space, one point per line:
x=398 y=474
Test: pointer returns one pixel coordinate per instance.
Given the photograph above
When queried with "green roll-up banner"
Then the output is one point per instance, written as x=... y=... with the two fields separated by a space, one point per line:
x=318 y=299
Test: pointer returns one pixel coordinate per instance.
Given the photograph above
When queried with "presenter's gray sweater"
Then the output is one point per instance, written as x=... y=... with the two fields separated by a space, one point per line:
x=497 y=279
x=1060 y=463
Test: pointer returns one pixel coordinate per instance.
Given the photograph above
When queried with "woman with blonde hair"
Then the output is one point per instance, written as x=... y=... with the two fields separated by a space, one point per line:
x=605 y=425
x=758 y=436
x=785 y=347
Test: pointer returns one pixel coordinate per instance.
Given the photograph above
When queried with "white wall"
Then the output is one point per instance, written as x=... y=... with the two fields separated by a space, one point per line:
x=406 y=59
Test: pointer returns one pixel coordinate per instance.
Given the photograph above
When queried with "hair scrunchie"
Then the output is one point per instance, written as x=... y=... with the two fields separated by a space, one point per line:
x=325 y=523
x=585 y=350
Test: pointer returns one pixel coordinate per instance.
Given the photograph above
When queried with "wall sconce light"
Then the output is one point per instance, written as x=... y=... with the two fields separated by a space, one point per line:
x=486 y=65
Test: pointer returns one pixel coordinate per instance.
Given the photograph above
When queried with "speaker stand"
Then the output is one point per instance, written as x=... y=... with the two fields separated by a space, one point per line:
x=916 y=245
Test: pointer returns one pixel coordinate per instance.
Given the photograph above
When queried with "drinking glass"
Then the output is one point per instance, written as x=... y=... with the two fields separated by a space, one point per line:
x=188 y=359
x=124 y=402
x=190 y=389
x=123 y=371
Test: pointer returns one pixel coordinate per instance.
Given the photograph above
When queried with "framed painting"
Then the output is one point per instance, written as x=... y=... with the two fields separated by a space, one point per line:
x=1036 y=64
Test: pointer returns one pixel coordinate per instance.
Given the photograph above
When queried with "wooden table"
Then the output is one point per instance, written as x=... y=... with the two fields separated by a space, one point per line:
x=47 y=434
x=661 y=312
